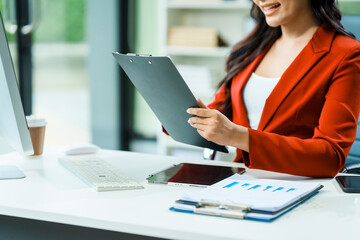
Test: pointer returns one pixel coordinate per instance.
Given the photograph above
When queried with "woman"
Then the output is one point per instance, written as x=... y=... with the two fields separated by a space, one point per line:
x=290 y=101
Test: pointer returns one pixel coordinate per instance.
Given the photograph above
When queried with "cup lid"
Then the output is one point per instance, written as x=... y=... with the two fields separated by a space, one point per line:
x=35 y=121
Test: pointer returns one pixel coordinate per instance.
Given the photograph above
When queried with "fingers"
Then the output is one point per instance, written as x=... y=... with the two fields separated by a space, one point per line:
x=205 y=132
x=196 y=121
x=200 y=112
x=201 y=103
x=202 y=133
x=199 y=127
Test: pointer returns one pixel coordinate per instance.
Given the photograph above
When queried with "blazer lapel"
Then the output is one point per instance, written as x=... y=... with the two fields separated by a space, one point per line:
x=317 y=47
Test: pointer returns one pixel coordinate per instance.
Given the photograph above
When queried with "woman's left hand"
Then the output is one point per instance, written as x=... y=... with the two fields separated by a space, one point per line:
x=216 y=127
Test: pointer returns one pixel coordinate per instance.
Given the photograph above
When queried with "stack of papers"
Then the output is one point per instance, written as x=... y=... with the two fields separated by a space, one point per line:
x=242 y=197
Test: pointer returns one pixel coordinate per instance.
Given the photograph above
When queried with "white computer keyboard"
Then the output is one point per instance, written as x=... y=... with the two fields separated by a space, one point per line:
x=97 y=173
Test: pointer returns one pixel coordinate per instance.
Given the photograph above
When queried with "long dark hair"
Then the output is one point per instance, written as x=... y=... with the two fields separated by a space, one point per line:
x=245 y=51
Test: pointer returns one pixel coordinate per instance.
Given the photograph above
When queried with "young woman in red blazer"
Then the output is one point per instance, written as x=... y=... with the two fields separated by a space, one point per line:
x=308 y=121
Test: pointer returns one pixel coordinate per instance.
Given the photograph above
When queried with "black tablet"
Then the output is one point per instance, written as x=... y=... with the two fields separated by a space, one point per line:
x=349 y=183
x=165 y=91
x=194 y=174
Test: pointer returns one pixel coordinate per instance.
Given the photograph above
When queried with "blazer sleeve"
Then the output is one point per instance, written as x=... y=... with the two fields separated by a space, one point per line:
x=325 y=153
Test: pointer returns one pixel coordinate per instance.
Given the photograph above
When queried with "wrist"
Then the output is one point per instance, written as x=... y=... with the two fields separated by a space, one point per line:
x=240 y=138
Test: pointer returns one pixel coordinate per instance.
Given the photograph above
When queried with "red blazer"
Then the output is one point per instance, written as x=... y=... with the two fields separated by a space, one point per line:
x=309 y=120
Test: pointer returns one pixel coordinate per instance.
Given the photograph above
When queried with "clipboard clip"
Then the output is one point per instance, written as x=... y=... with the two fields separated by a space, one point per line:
x=139 y=55
x=216 y=208
x=222 y=209
x=223 y=205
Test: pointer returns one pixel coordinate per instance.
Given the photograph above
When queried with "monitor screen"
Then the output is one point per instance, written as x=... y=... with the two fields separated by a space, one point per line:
x=14 y=131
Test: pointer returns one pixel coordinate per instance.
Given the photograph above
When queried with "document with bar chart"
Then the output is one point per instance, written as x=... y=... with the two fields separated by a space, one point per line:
x=241 y=197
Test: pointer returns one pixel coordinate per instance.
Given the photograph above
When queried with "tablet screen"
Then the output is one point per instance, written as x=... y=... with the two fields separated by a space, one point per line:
x=194 y=174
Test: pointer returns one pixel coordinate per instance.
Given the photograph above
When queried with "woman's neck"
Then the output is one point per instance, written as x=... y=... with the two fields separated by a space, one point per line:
x=299 y=30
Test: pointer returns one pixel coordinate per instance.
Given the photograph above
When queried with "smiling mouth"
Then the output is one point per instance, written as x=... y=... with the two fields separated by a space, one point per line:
x=270 y=9
x=267 y=8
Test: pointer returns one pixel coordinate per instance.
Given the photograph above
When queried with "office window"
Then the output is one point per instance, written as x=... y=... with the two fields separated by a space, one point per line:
x=352 y=23
x=60 y=75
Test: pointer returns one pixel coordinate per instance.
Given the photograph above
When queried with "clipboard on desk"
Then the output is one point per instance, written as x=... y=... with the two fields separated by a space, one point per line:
x=241 y=197
x=165 y=91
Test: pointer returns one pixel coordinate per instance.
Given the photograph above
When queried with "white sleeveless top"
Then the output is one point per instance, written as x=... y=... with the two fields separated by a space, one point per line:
x=255 y=93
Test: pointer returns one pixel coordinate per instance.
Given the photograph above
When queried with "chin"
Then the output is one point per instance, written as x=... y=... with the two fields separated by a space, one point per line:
x=272 y=23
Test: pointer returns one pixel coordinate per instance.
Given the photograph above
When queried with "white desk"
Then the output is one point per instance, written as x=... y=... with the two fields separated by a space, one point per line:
x=50 y=193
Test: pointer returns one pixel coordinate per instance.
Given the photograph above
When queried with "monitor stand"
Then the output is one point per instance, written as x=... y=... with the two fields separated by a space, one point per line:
x=10 y=172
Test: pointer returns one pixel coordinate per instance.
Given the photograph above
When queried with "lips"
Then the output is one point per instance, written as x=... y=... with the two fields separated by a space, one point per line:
x=269 y=7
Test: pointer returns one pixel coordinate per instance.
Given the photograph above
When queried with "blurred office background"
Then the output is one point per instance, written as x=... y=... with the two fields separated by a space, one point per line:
x=62 y=53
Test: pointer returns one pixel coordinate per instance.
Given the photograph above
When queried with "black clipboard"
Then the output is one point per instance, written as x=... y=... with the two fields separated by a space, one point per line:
x=165 y=91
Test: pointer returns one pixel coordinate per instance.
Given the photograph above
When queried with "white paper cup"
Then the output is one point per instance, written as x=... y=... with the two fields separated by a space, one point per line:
x=37 y=127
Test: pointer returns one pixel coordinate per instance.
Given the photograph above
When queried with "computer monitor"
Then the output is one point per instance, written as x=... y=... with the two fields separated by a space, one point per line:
x=14 y=131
